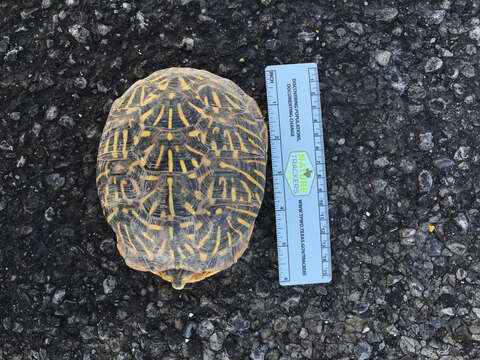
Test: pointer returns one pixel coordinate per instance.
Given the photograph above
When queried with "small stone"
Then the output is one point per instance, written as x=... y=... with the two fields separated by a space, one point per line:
x=237 y=323
x=462 y=153
x=109 y=284
x=21 y=162
x=468 y=70
x=280 y=324
x=443 y=163
x=88 y=333
x=416 y=287
x=188 y=330
x=433 y=64
x=363 y=350
x=188 y=43
x=216 y=341
x=306 y=37
x=11 y=55
x=52 y=113
x=409 y=345
x=381 y=162
x=292 y=301
x=408 y=166
x=46 y=4
x=58 y=296
x=127 y=7
x=457 y=248
x=461 y=274
x=355 y=27
x=71 y=3
x=66 y=121
x=462 y=222
x=258 y=351
x=379 y=185
x=383 y=57
x=426 y=141
x=205 y=329
x=449 y=311
x=80 y=82
x=435 y=17
x=425 y=181
x=5 y=146
x=387 y=14
x=103 y=29
x=392 y=330
x=55 y=180
x=474 y=34
x=476 y=311
x=79 y=33
x=49 y=214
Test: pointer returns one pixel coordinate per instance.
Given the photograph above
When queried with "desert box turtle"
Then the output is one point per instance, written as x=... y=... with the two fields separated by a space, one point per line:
x=181 y=173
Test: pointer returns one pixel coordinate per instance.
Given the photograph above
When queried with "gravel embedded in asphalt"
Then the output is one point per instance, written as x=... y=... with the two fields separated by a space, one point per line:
x=400 y=89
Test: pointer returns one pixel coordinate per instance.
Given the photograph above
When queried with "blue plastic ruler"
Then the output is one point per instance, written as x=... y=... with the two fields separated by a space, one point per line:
x=299 y=176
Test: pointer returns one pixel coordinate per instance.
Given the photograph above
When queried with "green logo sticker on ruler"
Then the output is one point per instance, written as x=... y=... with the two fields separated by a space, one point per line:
x=299 y=173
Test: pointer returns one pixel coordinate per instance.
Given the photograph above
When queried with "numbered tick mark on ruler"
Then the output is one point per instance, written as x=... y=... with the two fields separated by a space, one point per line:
x=299 y=177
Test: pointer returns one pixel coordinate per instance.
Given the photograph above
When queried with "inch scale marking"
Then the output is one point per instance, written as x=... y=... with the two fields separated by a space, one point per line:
x=299 y=176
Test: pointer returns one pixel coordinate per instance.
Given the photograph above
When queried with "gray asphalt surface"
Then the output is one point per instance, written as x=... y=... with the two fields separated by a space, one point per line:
x=400 y=96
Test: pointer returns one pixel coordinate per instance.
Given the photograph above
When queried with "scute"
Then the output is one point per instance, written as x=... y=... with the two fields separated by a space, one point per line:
x=181 y=173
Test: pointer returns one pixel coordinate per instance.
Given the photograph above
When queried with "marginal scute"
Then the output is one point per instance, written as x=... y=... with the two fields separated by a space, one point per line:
x=181 y=173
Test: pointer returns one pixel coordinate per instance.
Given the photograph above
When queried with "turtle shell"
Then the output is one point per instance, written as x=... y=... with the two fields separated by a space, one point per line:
x=181 y=173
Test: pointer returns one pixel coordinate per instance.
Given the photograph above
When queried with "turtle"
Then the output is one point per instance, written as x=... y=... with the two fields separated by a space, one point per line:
x=181 y=171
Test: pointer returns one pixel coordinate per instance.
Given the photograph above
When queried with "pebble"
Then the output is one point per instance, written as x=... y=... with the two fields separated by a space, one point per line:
x=205 y=329
x=80 y=82
x=306 y=37
x=46 y=4
x=433 y=64
x=258 y=351
x=79 y=33
x=383 y=57
x=66 y=121
x=109 y=284
x=435 y=17
x=443 y=163
x=216 y=341
x=88 y=333
x=387 y=14
x=425 y=181
x=462 y=222
x=58 y=296
x=381 y=162
x=5 y=146
x=103 y=29
x=461 y=274
x=188 y=43
x=237 y=323
x=49 y=214
x=71 y=3
x=474 y=34
x=457 y=248
x=409 y=345
x=51 y=113
x=463 y=153
x=355 y=27
x=55 y=181
x=189 y=329
x=363 y=350
x=426 y=141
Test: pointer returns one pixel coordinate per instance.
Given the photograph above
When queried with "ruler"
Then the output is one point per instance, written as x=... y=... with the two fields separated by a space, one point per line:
x=299 y=175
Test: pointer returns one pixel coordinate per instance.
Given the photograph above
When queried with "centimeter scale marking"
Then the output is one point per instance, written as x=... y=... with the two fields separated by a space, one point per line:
x=299 y=175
